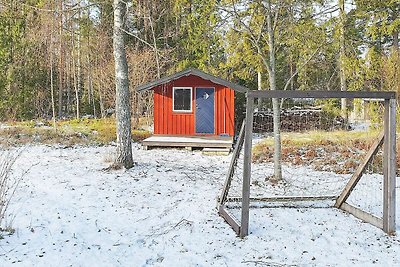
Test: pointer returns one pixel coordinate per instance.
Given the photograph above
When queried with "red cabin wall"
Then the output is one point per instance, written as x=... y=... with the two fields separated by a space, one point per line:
x=168 y=122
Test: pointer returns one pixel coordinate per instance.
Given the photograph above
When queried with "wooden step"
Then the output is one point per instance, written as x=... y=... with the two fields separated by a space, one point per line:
x=216 y=151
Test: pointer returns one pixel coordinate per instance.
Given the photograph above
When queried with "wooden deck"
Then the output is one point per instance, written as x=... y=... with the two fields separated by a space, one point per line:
x=188 y=142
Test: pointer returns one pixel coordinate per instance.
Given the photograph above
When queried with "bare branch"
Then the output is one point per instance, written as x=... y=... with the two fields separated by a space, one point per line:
x=137 y=37
x=73 y=8
x=301 y=67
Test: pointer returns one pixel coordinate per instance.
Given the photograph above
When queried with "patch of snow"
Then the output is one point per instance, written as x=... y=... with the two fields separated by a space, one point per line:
x=69 y=211
x=5 y=126
x=360 y=126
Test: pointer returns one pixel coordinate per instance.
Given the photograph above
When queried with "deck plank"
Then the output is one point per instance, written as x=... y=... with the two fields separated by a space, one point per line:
x=188 y=141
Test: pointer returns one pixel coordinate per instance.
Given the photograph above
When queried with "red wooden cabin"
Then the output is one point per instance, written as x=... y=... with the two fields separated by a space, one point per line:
x=193 y=103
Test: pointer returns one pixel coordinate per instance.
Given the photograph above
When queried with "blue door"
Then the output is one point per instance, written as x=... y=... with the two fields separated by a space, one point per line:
x=205 y=110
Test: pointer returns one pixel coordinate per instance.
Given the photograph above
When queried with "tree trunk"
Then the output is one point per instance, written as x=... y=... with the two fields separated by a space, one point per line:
x=53 y=104
x=259 y=85
x=78 y=87
x=61 y=62
x=291 y=74
x=122 y=105
x=396 y=40
x=155 y=48
x=395 y=33
x=342 y=56
x=101 y=103
x=90 y=79
x=275 y=101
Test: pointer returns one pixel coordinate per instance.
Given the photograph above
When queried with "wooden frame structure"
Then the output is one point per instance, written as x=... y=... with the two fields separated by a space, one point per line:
x=387 y=138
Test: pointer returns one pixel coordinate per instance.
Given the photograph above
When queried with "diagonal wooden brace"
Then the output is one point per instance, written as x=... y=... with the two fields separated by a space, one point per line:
x=358 y=173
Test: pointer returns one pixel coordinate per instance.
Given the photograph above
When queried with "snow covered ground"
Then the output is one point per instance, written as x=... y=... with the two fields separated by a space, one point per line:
x=69 y=211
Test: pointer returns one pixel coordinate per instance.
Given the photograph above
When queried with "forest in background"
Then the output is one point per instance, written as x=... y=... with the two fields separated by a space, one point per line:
x=56 y=57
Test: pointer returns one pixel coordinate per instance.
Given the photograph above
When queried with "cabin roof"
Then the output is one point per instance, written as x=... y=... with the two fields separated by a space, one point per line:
x=194 y=72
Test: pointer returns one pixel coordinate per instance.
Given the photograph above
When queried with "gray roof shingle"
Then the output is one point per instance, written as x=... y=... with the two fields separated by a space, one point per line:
x=195 y=72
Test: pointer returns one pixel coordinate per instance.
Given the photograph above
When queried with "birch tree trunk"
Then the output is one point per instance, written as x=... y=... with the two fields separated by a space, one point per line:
x=275 y=101
x=342 y=55
x=61 y=62
x=259 y=85
x=122 y=105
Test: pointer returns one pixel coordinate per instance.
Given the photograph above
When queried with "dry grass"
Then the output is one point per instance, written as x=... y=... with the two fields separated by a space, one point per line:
x=8 y=185
x=70 y=132
x=340 y=152
x=323 y=138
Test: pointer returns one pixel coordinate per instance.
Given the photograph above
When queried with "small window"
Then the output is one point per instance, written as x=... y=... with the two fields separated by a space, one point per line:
x=182 y=99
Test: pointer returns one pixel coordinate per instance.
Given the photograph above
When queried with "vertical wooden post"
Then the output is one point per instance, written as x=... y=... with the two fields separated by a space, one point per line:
x=389 y=165
x=244 y=227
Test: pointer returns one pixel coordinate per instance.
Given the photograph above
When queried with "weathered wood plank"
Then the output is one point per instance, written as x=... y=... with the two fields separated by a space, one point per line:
x=177 y=144
x=231 y=170
x=389 y=165
x=385 y=166
x=320 y=94
x=188 y=141
x=247 y=167
x=229 y=219
x=358 y=173
x=282 y=198
x=362 y=215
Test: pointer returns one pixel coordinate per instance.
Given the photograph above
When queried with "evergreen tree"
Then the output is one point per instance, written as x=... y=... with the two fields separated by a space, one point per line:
x=200 y=44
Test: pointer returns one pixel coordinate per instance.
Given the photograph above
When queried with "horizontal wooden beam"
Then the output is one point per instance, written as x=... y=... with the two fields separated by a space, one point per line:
x=320 y=94
x=229 y=219
x=283 y=198
x=362 y=215
x=186 y=144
